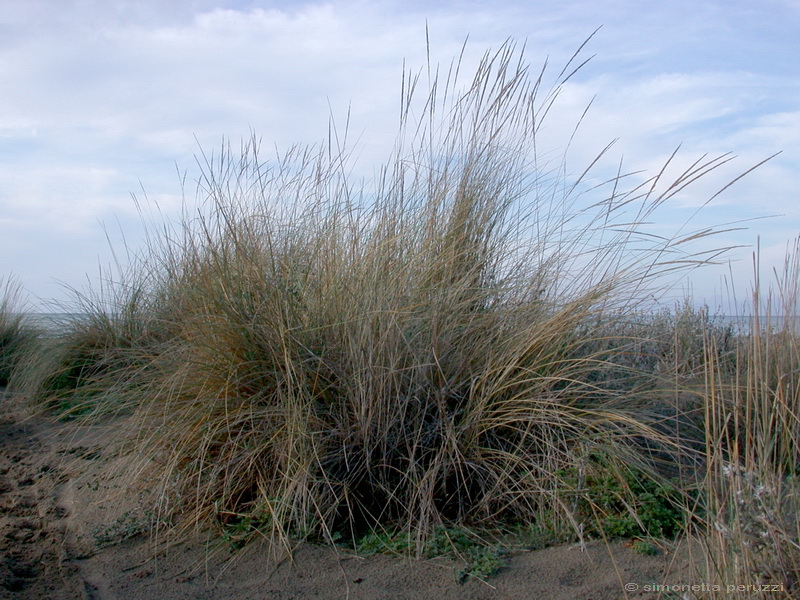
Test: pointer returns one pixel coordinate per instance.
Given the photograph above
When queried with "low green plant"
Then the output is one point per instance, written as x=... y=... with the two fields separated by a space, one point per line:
x=542 y=533
x=238 y=529
x=127 y=526
x=481 y=560
x=629 y=502
x=384 y=542
x=646 y=547
x=237 y=532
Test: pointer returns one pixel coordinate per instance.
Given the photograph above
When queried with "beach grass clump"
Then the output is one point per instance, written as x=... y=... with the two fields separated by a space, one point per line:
x=17 y=335
x=91 y=359
x=752 y=534
x=306 y=357
x=418 y=353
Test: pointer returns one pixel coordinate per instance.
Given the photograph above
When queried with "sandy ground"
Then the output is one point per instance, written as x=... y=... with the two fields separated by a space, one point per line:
x=69 y=530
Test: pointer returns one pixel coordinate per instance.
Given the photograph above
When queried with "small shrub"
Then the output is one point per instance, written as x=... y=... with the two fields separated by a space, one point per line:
x=128 y=526
x=481 y=560
x=631 y=503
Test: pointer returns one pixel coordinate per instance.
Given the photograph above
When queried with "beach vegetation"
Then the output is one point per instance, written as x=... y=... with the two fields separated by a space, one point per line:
x=465 y=344
x=17 y=334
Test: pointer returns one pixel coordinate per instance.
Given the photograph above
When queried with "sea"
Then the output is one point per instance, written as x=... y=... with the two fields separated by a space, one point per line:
x=56 y=322
x=51 y=322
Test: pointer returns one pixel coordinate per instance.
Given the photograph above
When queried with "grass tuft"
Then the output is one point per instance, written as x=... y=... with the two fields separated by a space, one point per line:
x=752 y=535
x=17 y=335
x=425 y=353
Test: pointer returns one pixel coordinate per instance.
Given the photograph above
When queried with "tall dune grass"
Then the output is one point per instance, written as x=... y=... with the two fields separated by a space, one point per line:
x=17 y=335
x=317 y=358
x=752 y=535
x=89 y=362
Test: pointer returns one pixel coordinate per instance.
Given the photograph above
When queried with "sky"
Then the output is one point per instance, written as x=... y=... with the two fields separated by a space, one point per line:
x=106 y=99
